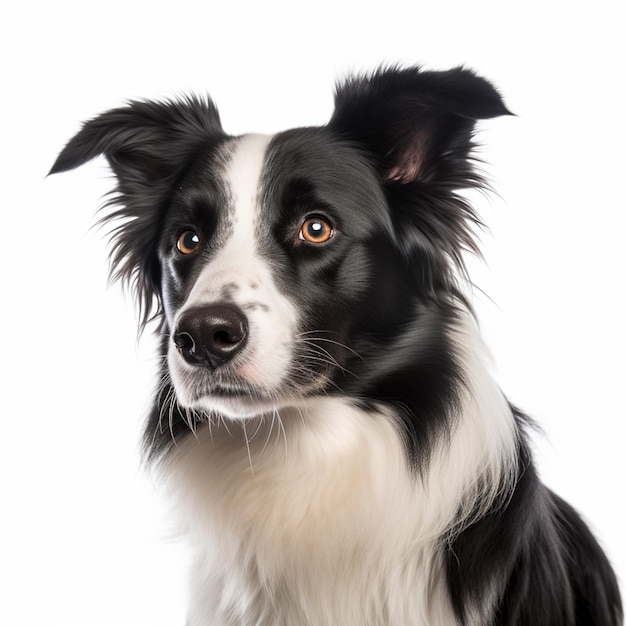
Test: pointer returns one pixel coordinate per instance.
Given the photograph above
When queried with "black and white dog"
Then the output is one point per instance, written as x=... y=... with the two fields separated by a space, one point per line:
x=325 y=414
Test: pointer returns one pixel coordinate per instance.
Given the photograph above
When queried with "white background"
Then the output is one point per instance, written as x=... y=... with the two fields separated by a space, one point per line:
x=83 y=538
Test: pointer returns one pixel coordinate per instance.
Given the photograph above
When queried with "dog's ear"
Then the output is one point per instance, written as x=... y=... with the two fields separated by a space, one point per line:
x=148 y=145
x=418 y=124
x=145 y=141
x=416 y=129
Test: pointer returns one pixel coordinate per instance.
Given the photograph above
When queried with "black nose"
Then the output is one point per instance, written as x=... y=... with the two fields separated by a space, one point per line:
x=211 y=335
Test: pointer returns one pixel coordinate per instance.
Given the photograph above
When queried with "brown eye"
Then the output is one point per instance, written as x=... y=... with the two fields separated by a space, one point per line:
x=316 y=230
x=188 y=242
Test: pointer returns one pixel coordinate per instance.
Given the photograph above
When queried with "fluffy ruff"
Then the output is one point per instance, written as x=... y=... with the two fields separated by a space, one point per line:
x=325 y=415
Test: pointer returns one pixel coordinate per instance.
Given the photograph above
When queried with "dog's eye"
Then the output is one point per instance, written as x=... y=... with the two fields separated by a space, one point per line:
x=188 y=242
x=316 y=229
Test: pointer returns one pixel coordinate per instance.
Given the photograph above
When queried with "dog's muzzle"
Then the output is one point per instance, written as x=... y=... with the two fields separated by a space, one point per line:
x=211 y=335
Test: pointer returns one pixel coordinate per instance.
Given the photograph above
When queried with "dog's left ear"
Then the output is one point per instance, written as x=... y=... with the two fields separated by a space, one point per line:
x=418 y=124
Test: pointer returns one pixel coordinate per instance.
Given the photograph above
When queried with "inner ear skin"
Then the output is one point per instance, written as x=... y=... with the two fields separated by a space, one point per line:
x=410 y=162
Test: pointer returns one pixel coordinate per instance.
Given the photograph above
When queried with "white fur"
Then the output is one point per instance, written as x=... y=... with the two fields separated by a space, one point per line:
x=310 y=516
x=239 y=267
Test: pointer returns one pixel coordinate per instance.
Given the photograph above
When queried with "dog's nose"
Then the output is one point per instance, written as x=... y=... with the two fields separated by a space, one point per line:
x=211 y=335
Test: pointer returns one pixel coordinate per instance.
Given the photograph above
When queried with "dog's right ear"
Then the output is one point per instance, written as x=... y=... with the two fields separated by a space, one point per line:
x=144 y=141
x=148 y=145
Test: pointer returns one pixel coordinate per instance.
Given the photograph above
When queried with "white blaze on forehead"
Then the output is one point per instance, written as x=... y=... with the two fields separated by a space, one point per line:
x=237 y=261
x=243 y=177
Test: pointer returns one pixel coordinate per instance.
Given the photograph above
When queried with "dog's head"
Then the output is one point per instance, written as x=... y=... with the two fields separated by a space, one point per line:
x=279 y=265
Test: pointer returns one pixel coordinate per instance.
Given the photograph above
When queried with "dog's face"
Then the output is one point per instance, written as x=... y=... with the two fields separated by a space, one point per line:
x=290 y=265
x=266 y=254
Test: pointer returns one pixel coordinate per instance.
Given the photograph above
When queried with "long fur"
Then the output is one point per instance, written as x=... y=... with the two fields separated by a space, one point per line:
x=325 y=414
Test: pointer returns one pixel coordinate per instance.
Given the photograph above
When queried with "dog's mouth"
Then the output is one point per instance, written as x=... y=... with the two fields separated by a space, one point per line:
x=233 y=401
x=231 y=391
x=201 y=383
x=224 y=390
x=227 y=391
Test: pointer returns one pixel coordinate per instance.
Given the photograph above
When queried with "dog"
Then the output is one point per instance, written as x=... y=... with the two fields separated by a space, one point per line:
x=325 y=415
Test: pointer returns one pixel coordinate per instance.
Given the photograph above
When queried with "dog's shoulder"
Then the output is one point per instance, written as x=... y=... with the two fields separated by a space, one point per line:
x=538 y=556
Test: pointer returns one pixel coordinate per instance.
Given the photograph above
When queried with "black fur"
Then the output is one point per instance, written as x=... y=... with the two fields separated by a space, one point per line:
x=393 y=157
x=555 y=570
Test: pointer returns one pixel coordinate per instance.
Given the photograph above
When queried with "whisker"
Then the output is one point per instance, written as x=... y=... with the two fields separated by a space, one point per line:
x=336 y=343
x=245 y=434
x=223 y=422
x=256 y=432
x=269 y=432
x=281 y=429
x=325 y=360
x=321 y=350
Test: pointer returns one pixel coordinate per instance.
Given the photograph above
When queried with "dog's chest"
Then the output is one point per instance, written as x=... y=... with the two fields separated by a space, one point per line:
x=311 y=521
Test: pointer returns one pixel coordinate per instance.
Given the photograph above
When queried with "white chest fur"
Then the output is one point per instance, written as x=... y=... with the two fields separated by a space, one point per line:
x=314 y=521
